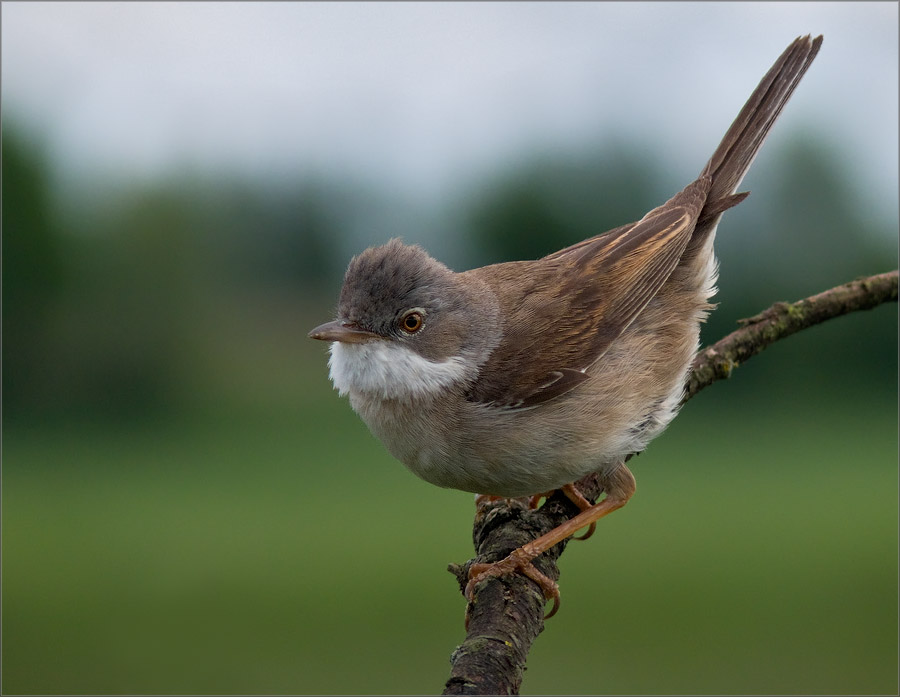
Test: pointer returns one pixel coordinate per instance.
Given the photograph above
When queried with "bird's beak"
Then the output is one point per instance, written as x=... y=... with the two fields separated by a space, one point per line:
x=344 y=332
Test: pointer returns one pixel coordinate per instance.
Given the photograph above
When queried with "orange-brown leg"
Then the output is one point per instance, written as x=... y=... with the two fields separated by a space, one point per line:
x=572 y=493
x=619 y=486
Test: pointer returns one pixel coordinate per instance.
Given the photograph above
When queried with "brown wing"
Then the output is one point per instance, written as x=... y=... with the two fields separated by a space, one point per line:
x=561 y=313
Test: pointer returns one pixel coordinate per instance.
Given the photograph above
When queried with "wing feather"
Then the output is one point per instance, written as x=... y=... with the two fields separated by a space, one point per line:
x=562 y=313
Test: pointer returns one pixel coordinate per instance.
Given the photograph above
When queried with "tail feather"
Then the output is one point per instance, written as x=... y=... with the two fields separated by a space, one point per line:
x=742 y=141
x=697 y=268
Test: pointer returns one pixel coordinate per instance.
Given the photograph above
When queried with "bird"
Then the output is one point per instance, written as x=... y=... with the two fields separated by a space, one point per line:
x=521 y=377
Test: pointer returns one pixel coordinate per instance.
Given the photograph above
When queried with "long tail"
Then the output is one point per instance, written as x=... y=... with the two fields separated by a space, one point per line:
x=739 y=146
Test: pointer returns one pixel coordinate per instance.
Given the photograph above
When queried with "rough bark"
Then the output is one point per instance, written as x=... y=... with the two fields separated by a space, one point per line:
x=507 y=614
x=783 y=319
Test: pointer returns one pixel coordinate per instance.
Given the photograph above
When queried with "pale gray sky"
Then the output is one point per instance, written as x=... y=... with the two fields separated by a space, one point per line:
x=419 y=96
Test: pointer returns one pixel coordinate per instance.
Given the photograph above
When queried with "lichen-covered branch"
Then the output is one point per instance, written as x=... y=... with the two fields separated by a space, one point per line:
x=507 y=613
x=782 y=320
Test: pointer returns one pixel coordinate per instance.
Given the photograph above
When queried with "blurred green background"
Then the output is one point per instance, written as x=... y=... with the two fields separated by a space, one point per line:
x=188 y=507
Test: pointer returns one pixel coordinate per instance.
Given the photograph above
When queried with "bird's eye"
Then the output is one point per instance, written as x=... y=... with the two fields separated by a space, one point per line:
x=412 y=321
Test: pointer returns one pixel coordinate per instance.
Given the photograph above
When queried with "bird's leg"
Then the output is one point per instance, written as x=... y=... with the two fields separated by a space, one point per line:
x=619 y=486
x=572 y=493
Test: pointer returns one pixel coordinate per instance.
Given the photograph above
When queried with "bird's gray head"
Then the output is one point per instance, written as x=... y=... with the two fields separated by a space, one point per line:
x=407 y=325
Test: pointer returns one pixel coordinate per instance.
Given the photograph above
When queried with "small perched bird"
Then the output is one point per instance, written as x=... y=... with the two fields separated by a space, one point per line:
x=519 y=378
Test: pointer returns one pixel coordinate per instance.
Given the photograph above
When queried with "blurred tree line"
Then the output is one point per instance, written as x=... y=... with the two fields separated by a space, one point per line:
x=123 y=309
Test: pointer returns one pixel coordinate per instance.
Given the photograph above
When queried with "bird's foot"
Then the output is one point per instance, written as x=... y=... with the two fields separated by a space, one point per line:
x=519 y=561
x=619 y=486
x=533 y=501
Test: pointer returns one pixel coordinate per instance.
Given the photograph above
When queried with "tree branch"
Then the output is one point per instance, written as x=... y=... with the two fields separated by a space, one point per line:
x=507 y=613
x=783 y=319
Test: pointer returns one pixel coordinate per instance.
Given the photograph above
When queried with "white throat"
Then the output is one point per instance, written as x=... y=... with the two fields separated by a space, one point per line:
x=388 y=370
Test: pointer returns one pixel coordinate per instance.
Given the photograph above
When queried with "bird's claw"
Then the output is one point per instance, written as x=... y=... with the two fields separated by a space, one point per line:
x=518 y=561
x=590 y=531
